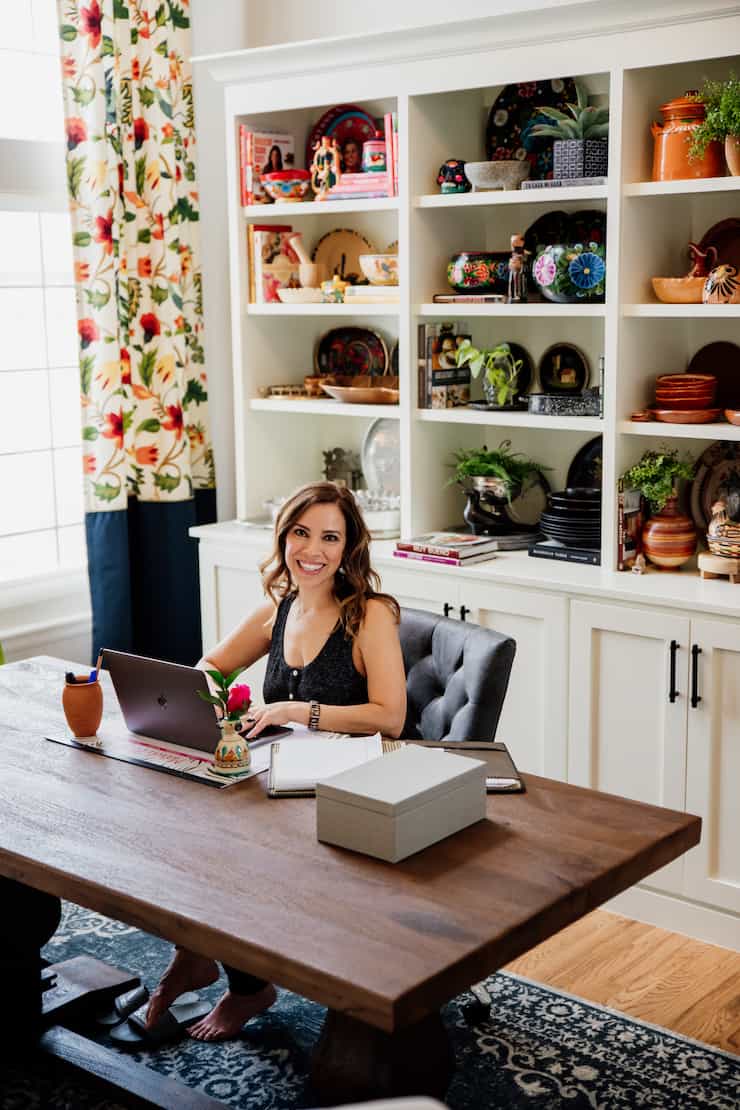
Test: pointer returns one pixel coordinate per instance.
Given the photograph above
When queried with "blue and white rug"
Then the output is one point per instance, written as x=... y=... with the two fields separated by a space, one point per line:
x=538 y=1049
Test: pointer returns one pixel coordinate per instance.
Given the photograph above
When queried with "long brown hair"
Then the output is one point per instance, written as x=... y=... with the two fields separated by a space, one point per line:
x=356 y=582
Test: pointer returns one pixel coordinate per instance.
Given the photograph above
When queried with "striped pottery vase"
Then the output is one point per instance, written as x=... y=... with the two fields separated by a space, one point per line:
x=669 y=537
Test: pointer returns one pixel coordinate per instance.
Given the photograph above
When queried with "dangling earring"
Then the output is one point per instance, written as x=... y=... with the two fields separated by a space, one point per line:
x=341 y=570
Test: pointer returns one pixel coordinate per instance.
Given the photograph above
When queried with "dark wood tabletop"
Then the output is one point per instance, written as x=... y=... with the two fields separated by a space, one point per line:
x=241 y=877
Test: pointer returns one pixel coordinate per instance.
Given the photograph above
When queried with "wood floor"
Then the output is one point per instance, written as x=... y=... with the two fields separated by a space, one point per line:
x=664 y=978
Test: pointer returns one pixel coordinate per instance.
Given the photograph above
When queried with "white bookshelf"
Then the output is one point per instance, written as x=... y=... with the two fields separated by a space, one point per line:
x=577 y=195
x=319 y=406
x=291 y=210
x=325 y=310
x=545 y=310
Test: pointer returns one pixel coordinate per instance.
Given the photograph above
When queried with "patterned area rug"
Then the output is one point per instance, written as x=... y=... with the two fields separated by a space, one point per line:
x=536 y=1049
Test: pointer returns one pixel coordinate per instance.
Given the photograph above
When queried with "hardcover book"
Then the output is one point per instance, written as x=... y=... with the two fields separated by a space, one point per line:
x=444 y=560
x=551 y=549
x=275 y=265
x=251 y=228
x=263 y=152
x=455 y=545
x=630 y=519
x=442 y=383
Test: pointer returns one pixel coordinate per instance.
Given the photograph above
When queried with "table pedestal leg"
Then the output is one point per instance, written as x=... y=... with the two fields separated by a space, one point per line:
x=354 y=1061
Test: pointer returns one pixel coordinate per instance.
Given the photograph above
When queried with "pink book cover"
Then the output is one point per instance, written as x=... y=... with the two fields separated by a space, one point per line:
x=275 y=265
x=443 y=560
x=388 y=131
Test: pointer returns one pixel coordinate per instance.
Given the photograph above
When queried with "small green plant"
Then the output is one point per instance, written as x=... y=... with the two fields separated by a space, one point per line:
x=722 y=102
x=582 y=123
x=511 y=467
x=233 y=702
x=502 y=369
x=656 y=474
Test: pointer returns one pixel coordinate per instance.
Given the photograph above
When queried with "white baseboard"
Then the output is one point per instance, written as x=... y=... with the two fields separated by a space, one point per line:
x=678 y=916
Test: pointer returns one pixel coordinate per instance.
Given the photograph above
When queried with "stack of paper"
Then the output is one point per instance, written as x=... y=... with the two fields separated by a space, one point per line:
x=295 y=767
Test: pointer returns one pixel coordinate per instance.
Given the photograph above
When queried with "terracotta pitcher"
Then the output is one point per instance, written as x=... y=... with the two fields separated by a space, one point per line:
x=672 y=138
x=83 y=706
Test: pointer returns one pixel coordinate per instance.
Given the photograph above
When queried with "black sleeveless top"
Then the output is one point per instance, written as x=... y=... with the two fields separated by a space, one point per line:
x=331 y=678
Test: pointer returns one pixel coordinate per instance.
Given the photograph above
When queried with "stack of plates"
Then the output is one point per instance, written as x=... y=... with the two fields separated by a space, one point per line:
x=685 y=398
x=573 y=517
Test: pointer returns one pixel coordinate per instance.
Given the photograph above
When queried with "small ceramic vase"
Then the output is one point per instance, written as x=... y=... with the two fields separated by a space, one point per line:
x=732 y=154
x=722 y=286
x=232 y=752
x=373 y=154
x=308 y=275
x=83 y=707
x=669 y=537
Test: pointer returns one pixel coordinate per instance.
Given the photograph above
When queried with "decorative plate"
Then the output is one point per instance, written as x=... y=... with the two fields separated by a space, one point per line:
x=360 y=395
x=380 y=456
x=725 y=238
x=585 y=470
x=351 y=350
x=338 y=252
x=342 y=122
x=685 y=416
x=394 y=358
x=717 y=475
x=564 y=369
x=526 y=509
x=723 y=360
x=513 y=113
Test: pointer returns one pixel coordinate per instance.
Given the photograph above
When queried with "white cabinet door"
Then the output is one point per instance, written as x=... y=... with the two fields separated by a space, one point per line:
x=713 y=766
x=626 y=735
x=533 y=722
x=417 y=589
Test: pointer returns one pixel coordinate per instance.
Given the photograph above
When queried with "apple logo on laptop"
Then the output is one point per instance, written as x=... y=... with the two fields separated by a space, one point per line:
x=162 y=700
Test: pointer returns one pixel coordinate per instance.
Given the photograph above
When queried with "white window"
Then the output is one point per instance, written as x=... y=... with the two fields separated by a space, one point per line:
x=41 y=503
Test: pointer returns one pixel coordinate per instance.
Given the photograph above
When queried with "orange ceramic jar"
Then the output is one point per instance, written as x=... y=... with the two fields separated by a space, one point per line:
x=671 y=160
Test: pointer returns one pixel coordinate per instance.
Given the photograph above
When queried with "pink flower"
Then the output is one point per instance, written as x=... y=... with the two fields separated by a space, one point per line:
x=240 y=697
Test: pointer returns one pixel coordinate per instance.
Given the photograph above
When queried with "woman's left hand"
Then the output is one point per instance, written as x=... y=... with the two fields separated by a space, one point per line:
x=277 y=713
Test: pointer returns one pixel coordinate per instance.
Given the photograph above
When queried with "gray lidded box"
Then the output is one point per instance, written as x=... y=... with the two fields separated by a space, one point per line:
x=400 y=803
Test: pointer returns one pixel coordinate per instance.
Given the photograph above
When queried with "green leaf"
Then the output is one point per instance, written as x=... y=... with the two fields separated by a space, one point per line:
x=146 y=96
x=107 y=51
x=183 y=210
x=164 y=106
x=210 y=698
x=97 y=298
x=217 y=677
x=89 y=433
x=553 y=113
x=176 y=298
x=83 y=96
x=144 y=235
x=194 y=392
x=162 y=49
x=161 y=15
x=105 y=491
x=82 y=239
x=146 y=367
x=166 y=482
x=75 y=167
x=159 y=293
x=87 y=365
x=234 y=675
x=67 y=32
x=120 y=11
x=600 y=131
x=140 y=170
x=127 y=418
x=129 y=216
x=177 y=16
x=150 y=425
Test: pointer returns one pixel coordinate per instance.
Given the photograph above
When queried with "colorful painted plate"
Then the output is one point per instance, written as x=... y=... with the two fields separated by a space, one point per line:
x=587 y=225
x=342 y=122
x=338 y=252
x=717 y=475
x=564 y=369
x=725 y=238
x=585 y=470
x=394 y=358
x=512 y=115
x=350 y=351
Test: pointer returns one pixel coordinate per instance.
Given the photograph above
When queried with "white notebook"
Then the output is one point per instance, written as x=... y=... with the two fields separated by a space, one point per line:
x=295 y=768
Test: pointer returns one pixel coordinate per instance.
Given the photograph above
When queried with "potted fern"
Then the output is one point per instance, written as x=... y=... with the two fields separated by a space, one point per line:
x=580 y=148
x=501 y=377
x=721 y=100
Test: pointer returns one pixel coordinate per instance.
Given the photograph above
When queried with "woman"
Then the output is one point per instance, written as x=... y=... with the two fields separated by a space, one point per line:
x=274 y=161
x=334 y=662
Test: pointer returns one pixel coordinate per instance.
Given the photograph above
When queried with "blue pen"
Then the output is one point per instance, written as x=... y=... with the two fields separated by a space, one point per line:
x=93 y=676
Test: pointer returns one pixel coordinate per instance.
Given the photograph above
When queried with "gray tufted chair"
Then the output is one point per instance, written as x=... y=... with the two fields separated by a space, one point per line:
x=456 y=677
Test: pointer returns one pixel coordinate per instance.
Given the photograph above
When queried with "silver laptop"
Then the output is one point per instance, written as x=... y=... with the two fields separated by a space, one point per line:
x=160 y=700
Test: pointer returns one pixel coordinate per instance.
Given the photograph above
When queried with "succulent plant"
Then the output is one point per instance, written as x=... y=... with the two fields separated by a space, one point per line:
x=582 y=123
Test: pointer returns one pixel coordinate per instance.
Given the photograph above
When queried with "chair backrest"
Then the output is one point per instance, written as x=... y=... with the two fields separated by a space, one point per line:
x=456 y=677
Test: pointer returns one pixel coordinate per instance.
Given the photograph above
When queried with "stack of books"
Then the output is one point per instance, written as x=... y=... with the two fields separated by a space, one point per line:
x=362 y=186
x=371 y=294
x=452 y=549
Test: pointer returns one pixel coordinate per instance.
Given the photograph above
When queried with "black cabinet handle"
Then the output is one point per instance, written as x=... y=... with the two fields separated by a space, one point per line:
x=447 y=608
x=695 y=697
x=463 y=612
x=673 y=692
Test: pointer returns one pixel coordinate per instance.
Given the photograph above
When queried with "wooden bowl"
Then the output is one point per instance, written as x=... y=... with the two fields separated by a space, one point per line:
x=685 y=416
x=681 y=290
x=732 y=416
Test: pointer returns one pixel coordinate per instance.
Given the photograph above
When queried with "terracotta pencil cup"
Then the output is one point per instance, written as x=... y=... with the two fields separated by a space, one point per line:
x=83 y=707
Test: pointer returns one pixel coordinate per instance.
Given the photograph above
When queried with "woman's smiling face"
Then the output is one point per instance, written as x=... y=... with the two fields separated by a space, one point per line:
x=315 y=544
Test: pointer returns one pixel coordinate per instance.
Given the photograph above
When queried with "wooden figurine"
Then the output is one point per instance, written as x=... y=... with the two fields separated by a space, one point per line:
x=517 y=289
x=640 y=564
x=324 y=167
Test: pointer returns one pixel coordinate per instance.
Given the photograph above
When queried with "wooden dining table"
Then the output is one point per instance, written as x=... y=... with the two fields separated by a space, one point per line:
x=241 y=877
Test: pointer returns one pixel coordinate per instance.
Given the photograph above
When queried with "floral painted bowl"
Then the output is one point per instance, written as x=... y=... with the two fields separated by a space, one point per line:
x=479 y=272
x=570 y=274
x=286 y=185
x=380 y=269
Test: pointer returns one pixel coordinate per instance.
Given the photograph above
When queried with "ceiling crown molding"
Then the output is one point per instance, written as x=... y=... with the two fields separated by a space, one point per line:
x=555 y=21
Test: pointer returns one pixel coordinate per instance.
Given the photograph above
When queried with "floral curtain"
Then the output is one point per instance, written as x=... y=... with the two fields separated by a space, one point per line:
x=132 y=190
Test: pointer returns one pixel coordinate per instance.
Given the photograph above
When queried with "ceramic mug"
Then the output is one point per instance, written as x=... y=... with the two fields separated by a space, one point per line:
x=83 y=706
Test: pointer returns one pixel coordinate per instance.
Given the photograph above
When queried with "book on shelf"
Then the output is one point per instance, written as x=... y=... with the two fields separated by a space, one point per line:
x=251 y=228
x=630 y=519
x=262 y=152
x=295 y=768
x=442 y=383
x=365 y=294
x=394 y=149
x=455 y=545
x=444 y=560
x=551 y=549
x=275 y=265
x=468 y=298
x=563 y=182
x=357 y=185
x=356 y=194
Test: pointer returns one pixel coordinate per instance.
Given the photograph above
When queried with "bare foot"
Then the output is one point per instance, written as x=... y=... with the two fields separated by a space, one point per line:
x=230 y=1012
x=187 y=972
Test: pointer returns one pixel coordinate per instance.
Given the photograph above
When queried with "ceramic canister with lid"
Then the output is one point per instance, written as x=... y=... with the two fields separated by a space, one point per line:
x=672 y=139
